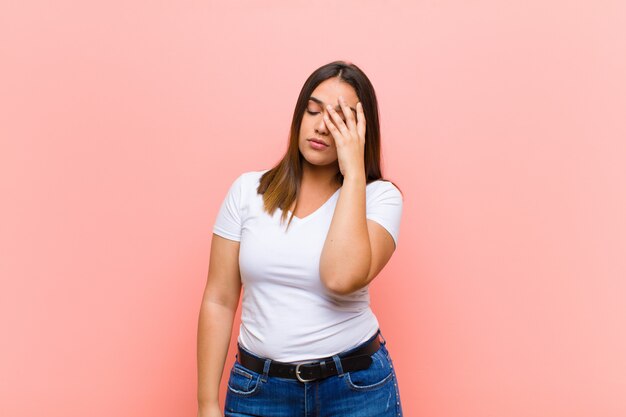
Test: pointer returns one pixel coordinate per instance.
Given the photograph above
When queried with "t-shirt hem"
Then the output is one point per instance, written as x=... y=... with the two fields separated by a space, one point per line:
x=227 y=235
x=395 y=239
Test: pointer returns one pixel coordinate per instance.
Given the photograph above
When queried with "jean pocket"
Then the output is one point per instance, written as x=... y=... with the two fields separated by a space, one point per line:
x=377 y=375
x=243 y=381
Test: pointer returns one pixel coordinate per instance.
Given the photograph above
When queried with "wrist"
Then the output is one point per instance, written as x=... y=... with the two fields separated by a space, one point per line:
x=205 y=404
x=355 y=177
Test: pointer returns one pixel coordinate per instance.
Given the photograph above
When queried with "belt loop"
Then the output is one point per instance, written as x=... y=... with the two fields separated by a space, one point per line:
x=381 y=335
x=266 y=370
x=338 y=365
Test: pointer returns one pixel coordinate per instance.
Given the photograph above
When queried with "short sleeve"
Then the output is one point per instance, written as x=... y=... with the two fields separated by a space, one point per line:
x=384 y=206
x=228 y=221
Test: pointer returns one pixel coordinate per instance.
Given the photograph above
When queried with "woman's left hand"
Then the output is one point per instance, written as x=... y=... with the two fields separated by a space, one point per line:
x=350 y=139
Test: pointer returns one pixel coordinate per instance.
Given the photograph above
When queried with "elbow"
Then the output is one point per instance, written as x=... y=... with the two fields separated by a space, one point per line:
x=333 y=283
x=345 y=285
x=338 y=289
x=342 y=280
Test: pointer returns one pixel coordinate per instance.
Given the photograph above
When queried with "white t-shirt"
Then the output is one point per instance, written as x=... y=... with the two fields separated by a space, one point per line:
x=287 y=313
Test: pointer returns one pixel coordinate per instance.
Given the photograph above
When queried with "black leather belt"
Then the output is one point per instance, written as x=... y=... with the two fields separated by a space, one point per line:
x=317 y=368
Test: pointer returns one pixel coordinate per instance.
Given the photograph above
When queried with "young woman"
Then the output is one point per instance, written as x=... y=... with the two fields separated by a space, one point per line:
x=308 y=344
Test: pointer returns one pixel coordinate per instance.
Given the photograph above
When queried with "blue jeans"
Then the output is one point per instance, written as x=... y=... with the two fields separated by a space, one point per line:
x=371 y=392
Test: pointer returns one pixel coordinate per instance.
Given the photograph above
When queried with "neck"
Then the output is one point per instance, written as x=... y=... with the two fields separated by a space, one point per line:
x=322 y=176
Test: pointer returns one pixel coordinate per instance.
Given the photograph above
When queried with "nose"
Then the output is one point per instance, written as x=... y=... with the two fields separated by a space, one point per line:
x=320 y=126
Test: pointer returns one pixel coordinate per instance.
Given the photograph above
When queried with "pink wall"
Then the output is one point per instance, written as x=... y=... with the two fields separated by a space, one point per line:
x=122 y=124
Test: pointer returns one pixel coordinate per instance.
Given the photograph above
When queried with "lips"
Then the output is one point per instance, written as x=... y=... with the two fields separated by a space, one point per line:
x=318 y=141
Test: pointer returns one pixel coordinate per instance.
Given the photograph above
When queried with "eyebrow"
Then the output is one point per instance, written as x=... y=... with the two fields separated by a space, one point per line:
x=338 y=108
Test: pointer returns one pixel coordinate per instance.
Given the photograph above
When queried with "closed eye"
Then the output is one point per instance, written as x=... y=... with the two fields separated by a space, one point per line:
x=316 y=112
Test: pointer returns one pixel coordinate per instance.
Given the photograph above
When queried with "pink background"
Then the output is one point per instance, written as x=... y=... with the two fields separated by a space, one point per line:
x=123 y=123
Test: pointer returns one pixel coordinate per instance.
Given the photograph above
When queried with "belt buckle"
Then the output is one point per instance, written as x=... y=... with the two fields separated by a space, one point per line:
x=298 y=373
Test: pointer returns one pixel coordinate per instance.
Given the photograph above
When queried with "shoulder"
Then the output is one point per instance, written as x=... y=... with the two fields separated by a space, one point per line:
x=384 y=188
x=250 y=178
x=246 y=184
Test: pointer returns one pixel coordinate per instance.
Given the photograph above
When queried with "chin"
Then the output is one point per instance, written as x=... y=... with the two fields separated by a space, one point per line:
x=320 y=163
x=314 y=159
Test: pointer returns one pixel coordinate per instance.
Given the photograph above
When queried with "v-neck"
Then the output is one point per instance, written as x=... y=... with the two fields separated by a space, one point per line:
x=309 y=216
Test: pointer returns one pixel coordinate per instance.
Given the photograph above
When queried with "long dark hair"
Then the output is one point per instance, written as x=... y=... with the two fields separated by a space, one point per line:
x=280 y=186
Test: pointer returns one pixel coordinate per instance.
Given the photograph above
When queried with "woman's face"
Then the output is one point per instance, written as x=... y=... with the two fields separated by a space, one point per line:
x=313 y=125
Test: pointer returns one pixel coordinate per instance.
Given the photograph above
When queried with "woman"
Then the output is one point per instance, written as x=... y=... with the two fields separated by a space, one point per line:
x=308 y=342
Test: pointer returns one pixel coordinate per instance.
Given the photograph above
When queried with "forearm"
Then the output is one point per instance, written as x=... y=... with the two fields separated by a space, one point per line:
x=215 y=325
x=346 y=255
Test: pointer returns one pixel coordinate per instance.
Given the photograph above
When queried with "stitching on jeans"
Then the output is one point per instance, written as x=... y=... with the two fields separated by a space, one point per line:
x=398 y=408
x=376 y=385
x=242 y=373
x=395 y=383
x=377 y=356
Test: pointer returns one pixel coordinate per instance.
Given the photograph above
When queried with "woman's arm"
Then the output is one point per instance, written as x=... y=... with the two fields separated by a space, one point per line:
x=215 y=323
x=346 y=255
x=356 y=249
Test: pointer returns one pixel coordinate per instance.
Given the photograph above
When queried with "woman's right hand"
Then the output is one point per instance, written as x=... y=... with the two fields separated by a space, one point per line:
x=211 y=410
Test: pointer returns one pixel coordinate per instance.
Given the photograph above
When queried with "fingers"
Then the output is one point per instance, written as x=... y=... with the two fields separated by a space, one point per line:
x=333 y=129
x=340 y=125
x=348 y=113
x=338 y=128
x=360 y=118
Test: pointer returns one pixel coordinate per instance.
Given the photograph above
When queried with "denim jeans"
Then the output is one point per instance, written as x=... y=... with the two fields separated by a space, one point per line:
x=371 y=392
